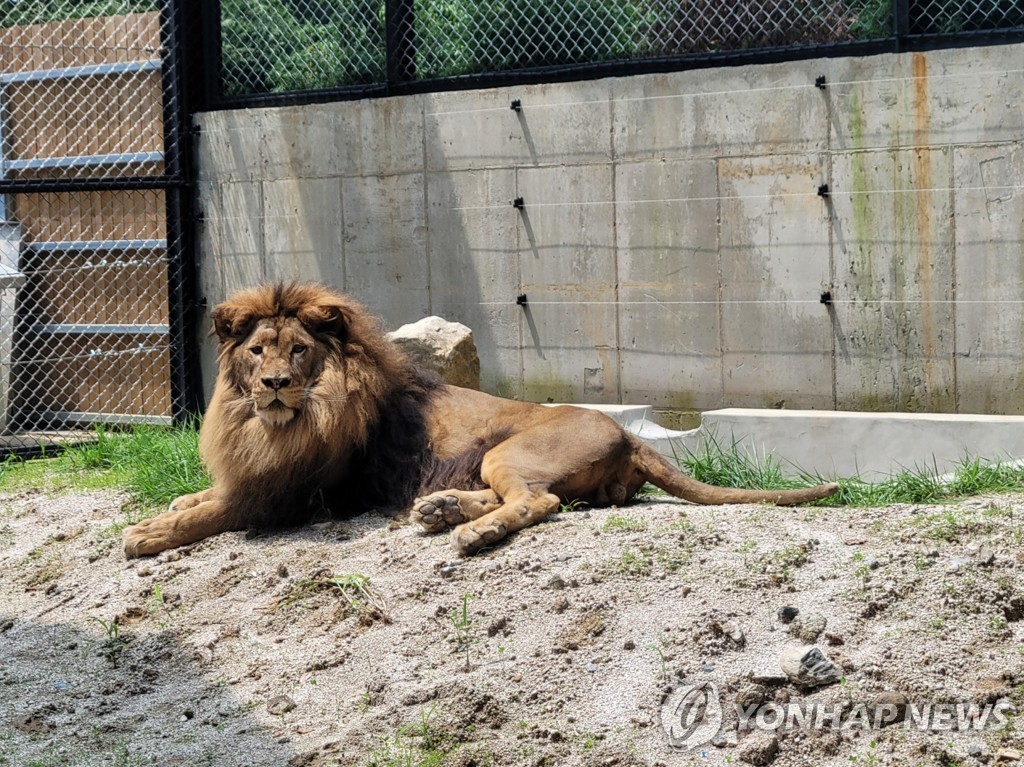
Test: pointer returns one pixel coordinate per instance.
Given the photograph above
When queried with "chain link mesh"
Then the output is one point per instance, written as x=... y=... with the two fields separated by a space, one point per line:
x=85 y=325
x=945 y=17
x=273 y=46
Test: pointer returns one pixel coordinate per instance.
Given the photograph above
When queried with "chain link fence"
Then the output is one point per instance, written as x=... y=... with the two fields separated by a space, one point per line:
x=90 y=243
x=276 y=46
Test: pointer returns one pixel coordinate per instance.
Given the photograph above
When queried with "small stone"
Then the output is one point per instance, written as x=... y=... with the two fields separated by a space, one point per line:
x=956 y=564
x=629 y=644
x=732 y=630
x=560 y=605
x=750 y=695
x=807 y=628
x=759 y=749
x=1008 y=755
x=280 y=705
x=984 y=557
x=808 y=666
x=975 y=751
x=282 y=571
x=787 y=613
x=888 y=708
x=556 y=582
x=496 y=626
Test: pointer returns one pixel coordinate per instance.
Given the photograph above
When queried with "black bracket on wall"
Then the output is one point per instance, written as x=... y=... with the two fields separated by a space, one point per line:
x=522 y=300
x=516 y=105
x=518 y=203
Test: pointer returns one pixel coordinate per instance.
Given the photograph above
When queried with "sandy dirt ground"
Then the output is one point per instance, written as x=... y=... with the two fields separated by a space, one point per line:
x=367 y=642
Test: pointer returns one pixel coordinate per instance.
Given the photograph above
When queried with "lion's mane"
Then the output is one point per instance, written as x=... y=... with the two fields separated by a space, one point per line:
x=359 y=443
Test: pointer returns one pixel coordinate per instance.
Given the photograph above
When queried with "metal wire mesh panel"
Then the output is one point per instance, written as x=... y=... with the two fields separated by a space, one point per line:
x=272 y=46
x=953 y=16
x=86 y=260
x=275 y=46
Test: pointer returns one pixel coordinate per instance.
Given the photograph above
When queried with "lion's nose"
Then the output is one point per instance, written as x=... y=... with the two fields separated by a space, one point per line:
x=276 y=381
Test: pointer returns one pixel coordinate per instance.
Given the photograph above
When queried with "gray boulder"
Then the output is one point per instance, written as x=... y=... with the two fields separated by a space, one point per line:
x=442 y=346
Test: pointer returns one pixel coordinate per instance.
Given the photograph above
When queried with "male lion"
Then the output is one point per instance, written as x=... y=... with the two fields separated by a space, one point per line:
x=313 y=403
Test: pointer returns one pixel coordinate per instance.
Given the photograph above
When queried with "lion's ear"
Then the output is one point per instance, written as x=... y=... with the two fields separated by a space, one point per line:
x=231 y=321
x=329 y=318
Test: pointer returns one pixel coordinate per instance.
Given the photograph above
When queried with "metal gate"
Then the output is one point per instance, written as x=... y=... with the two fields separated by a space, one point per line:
x=93 y=204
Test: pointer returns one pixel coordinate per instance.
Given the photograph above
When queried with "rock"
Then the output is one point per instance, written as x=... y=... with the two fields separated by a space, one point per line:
x=556 y=582
x=807 y=628
x=956 y=564
x=787 y=613
x=888 y=708
x=1005 y=755
x=732 y=630
x=759 y=749
x=751 y=695
x=808 y=666
x=280 y=705
x=984 y=557
x=442 y=346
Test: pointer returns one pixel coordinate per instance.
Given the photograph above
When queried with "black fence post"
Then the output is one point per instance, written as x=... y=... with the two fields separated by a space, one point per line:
x=400 y=42
x=900 y=21
x=182 y=66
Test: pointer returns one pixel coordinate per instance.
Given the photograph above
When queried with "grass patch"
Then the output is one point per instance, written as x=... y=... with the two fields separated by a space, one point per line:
x=731 y=466
x=154 y=464
x=617 y=523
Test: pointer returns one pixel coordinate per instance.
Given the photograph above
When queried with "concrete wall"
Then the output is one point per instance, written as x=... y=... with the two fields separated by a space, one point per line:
x=673 y=246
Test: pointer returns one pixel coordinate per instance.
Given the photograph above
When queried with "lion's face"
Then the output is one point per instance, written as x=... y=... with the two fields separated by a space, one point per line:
x=279 y=360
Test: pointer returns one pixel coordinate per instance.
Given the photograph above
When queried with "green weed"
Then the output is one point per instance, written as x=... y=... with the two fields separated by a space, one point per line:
x=617 y=523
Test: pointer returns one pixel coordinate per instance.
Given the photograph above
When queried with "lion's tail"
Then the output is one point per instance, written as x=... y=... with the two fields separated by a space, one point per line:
x=661 y=473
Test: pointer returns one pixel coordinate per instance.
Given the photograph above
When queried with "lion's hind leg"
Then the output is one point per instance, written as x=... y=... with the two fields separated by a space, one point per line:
x=517 y=512
x=449 y=508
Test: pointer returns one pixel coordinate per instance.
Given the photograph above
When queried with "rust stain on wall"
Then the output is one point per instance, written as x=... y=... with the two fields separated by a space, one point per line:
x=926 y=234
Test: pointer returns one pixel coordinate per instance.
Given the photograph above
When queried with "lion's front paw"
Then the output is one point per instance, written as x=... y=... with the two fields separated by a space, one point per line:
x=437 y=512
x=183 y=502
x=150 y=536
x=473 y=536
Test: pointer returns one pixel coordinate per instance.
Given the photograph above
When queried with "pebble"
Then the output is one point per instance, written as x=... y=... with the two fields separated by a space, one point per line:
x=985 y=556
x=787 y=613
x=895 y=711
x=956 y=564
x=280 y=705
x=807 y=628
x=556 y=582
x=808 y=666
x=759 y=749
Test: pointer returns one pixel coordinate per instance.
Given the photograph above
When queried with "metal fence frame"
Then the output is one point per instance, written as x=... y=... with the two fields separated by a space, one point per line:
x=177 y=73
x=401 y=78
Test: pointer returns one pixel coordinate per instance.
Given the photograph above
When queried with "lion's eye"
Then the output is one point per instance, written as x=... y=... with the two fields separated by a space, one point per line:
x=257 y=350
x=298 y=348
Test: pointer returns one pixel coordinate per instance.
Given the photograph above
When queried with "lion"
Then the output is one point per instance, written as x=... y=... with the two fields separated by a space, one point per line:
x=314 y=407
